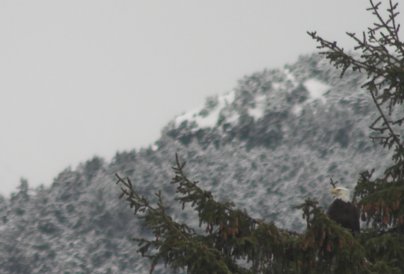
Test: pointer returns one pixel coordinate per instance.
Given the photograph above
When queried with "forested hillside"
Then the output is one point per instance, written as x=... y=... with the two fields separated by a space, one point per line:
x=268 y=144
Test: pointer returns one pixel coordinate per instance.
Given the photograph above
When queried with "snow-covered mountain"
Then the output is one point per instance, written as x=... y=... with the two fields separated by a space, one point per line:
x=272 y=141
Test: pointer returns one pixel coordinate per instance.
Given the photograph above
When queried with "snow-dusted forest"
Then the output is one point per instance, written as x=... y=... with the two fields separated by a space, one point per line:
x=268 y=144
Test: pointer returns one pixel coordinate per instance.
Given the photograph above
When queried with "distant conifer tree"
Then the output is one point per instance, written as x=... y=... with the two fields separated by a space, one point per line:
x=231 y=241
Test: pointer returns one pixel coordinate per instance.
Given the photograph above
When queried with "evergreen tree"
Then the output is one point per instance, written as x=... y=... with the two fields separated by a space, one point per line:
x=229 y=240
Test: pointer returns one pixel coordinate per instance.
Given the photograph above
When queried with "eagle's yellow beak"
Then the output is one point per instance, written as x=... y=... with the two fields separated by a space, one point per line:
x=334 y=191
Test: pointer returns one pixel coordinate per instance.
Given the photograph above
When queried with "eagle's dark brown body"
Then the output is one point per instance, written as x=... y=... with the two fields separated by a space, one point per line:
x=345 y=214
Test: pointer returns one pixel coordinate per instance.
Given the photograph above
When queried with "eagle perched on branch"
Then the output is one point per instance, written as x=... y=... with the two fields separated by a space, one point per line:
x=342 y=211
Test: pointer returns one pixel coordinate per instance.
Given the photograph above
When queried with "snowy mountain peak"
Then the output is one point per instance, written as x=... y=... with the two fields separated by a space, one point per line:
x=289 y=90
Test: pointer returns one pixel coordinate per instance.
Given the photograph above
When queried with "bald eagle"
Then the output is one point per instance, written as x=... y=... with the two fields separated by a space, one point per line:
x=342 y=211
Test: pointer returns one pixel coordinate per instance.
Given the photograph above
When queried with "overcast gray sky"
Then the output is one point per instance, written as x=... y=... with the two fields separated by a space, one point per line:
x=90 y=77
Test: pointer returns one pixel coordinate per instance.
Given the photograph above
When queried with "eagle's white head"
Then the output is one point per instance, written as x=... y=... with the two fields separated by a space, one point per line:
x=340 y=192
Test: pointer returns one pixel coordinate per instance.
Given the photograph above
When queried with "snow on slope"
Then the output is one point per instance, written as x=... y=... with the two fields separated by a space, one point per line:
x=258 y=111
x=203 y=117
x=281 y=81
x=220 y=107
x=316 y=89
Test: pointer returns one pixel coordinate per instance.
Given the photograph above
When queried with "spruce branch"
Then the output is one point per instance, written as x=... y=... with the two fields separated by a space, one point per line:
x=210 y=212
x=171 y=239
x=382 y=59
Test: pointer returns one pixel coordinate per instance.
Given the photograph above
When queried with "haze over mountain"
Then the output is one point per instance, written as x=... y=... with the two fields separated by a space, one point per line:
x=272 y=141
